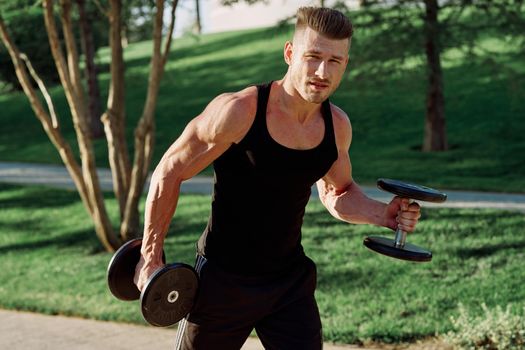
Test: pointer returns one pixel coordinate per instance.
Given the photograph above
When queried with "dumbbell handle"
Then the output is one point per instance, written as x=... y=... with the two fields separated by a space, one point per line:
x=401 y=236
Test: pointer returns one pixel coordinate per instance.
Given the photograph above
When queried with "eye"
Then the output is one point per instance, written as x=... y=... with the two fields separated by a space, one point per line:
x=312 y=56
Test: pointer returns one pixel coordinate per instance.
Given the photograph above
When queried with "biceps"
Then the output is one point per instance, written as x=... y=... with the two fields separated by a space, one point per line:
x=197 y=157
x=339 y=177
x=224 y=121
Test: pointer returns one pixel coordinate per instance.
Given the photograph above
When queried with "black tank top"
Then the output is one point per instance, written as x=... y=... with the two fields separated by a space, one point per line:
x=260 y=193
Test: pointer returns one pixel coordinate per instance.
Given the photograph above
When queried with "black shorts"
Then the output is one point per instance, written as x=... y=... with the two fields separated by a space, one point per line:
x=281 y=309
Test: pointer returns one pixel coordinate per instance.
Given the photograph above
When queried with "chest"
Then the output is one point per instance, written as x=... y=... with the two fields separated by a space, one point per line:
x=288 y=156
x=294 y=134
x=278 y=152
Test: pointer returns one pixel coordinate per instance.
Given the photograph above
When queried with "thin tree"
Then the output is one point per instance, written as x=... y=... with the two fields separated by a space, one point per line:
x=128 y=178
x=435 y=136
x=403 y=29
x=409 y=25
x=198 y=22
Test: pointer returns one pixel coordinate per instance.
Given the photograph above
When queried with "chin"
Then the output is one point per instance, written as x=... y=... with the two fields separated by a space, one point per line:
x=315 y=98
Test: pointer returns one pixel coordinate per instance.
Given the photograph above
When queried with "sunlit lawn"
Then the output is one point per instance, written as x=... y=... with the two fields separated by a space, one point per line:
x=52 y=263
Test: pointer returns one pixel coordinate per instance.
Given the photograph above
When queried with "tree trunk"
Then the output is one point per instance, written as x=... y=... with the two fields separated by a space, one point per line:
x=52 y=129
x=145 y=131
x=114 y=118
x=96 y=128
x=435 y=138
x=198 y=24
x=128 y=183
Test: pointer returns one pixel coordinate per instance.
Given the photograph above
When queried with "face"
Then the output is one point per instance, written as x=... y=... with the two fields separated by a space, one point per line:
x=316 y=64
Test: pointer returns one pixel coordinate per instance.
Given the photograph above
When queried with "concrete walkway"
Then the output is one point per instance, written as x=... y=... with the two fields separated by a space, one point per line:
x=57 y=176
x=24 y=331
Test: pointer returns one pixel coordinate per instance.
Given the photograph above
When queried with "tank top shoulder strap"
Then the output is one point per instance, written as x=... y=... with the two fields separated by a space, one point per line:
x=259 y=124
x=263 y=94
x=328 y=122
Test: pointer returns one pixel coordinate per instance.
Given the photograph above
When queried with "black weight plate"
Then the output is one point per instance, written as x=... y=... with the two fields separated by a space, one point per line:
x=169 y=294
x=386 y=246
x=121 y=270
x=408 y=190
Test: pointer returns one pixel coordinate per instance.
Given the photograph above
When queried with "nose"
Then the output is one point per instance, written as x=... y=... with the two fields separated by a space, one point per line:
x=321 y=71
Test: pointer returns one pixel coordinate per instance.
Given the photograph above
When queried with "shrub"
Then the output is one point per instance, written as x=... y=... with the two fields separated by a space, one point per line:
x=495 y=329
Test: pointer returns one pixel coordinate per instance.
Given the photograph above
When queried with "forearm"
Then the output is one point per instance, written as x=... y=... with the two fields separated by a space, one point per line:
x=352 y=205
x=161 y=203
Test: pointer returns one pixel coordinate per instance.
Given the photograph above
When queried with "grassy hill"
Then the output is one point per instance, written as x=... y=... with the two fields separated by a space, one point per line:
x=484 y=109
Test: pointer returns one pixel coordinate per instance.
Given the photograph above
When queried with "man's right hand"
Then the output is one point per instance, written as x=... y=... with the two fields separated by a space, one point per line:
x=143 y=271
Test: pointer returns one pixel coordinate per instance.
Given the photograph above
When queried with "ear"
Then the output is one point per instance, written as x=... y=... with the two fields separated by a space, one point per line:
x=288 y=52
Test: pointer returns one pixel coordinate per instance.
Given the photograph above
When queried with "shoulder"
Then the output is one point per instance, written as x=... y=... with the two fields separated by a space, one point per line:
x=229 y=116
x=244 y=100
x=342 y=126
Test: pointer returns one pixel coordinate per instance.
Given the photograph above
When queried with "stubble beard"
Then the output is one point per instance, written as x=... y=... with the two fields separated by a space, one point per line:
x=308 y=93
x=313 y=96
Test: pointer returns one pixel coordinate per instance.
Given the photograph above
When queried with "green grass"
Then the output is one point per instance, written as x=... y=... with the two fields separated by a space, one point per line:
x=52 y=263
x=484 y=107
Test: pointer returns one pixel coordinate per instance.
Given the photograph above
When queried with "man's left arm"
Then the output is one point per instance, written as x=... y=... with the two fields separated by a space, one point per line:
x=346 y=201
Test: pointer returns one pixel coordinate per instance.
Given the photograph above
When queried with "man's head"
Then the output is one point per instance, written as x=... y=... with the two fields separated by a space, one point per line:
x=318 y=55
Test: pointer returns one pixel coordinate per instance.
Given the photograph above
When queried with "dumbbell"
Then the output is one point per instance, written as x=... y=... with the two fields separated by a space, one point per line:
x=398 y=247
x=167 y=297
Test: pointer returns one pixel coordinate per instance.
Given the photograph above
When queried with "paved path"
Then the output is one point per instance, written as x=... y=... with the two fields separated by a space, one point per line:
x=24 y=331
x=57 y=176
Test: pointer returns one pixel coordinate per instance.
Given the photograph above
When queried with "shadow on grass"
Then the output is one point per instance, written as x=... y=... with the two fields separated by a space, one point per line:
x=466 y=215
x=230 y=42
x=36 y=197
x=489 y=250
x=347 y=280
x=83 y=238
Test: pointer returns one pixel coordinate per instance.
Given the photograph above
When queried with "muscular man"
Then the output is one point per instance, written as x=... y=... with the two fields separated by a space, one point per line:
x=268 y=144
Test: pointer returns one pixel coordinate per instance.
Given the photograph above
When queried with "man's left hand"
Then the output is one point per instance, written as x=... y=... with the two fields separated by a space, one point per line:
x=402 y=214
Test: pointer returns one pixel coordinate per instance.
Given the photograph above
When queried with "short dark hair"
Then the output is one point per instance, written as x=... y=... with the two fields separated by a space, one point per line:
x=328 y=22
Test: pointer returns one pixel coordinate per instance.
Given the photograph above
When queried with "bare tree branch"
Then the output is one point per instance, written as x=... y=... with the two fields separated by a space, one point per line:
x=169 y=35
x=73 y=60
x=144 y=133
x=43 y=89
x=54 y=43
x=101 y=8
x=115 y=115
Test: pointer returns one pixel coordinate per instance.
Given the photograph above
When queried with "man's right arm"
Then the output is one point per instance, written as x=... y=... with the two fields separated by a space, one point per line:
x=224 y=121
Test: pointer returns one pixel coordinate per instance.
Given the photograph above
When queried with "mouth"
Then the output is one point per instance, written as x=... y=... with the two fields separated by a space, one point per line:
x=317 y=85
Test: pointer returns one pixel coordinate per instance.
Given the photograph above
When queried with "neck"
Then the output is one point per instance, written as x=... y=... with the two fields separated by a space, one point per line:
x=291 y=102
